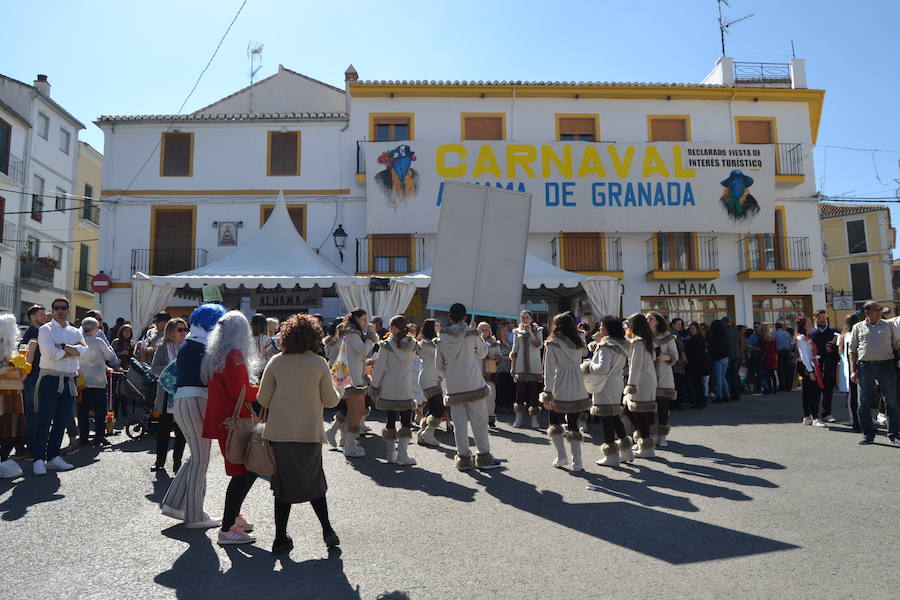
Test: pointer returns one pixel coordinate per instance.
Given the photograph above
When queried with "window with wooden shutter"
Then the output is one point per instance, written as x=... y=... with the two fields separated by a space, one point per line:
x=669 y=129
x=390 y=128
x=582 y=251
x=297 y=213
x=177 y=155
x=172 y=241
x=284 y=153
x=391 y=253
x=856 y=237
x=483 y=127
x=755 y=131
x=675 y=251
x=859 y=279
x=577 y=127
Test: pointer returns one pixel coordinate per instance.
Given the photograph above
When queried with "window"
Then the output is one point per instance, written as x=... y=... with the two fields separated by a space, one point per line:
x=37 y=198
x=43 y=125
x=703 y=309
x=3 y=232
x=88 y=210
x=582 y=251
x=755 y=131
x=284 y=153
x=5 y=145
x=84 y=278
x=177 y=155
x=577 y=127
x=771 y=309
x=483 y=127
x=669 y=129
x=172 y=240
x=675 y=252
x=856 y=237
x=859 y=280
x=32 y=246
x=60 y=199
x=389 y=128
x=58 y=256
x=65 y=139
x=391 y=253
x=297 y=212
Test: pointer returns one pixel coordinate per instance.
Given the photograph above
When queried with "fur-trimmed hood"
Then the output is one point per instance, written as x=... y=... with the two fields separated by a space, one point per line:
x=618 y=344
x=563 y=342
x=451 y=338
x=407 y=343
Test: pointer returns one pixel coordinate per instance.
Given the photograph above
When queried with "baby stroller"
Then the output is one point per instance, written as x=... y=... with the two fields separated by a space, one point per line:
x=138 y=384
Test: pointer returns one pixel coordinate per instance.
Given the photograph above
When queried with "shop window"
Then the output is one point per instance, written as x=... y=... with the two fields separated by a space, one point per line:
x=755 y=131
x=177 y=154
x=484 y=127
x=786 y=309
x=582 y=251
x=391 y=253
x=669 y=129
x=386 y=128
x=859 y=280
x=702 y=309
x=296 y=211
x=577 y=127
x=284 y=153
x=856 y=237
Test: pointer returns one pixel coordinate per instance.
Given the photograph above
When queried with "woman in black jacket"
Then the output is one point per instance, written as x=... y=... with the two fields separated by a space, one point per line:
x=718 y=354
x=697 y=365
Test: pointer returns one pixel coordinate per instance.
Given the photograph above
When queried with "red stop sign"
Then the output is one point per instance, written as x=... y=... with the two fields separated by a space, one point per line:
x=100 y=283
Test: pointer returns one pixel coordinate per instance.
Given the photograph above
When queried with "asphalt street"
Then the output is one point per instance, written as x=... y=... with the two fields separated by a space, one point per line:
x=745 y=503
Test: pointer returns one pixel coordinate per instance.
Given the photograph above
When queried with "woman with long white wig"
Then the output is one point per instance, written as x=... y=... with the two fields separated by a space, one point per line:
x=229 y=361
x=12 y=412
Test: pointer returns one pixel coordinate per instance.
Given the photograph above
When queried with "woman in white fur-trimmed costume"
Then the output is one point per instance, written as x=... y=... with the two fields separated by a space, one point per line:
x=392 y=389
x=526 y=369
x=666 y=356
x=430 y=382
x=640 y=389
x=564 y=394
x=608 y=367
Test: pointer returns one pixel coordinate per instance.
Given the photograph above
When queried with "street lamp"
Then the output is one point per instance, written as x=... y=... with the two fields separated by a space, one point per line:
x=340 y=240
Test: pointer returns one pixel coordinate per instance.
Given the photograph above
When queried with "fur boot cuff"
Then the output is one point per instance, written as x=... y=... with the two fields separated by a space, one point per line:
x=464 y=462
x=405 y=432
x=574 y=436
x=534 y=411
x=483 y=460
x=389 y=434
x=432 y=421
x=646 y=443
x=545 y=397
x=351 y=429
x=555 y=430
x=519 y=407
x=625 y=442
x=663 y=429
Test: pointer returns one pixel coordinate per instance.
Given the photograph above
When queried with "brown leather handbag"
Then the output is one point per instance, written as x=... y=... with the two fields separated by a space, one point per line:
x=260 y=456
x=239 y=431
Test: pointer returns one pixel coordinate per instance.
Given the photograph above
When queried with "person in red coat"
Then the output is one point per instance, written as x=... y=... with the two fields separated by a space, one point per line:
x=226 y=368
x=768 y=359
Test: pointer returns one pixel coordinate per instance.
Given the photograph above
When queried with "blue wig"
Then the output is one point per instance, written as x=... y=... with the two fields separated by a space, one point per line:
x=207 y=315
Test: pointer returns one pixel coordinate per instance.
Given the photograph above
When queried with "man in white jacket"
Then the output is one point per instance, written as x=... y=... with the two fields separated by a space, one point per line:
x=459 y=356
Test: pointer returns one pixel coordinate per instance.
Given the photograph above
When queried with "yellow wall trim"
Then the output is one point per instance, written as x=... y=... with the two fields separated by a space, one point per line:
x=775 y=274
x=337 y=192
x=790 y=178
x=121 y=285
x=616 y=274
x=409 y=115
x=360 y=176
x=657 y=275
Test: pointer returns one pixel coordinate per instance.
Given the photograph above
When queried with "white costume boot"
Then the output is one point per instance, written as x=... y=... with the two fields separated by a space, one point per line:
x=425 y=435
x=404 y=437
x=390 y=445
x=351 y=448
x=520 y=415
x=331 y=433
x=626 y=455
x=555 y=433
x=575 y=439
x=535 y=412
x=611 y=455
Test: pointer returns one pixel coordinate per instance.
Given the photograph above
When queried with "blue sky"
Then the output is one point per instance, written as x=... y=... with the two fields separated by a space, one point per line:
x=143 y=57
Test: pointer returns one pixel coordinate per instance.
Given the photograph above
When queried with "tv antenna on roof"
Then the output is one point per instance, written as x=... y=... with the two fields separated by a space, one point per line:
x=254 y=54
x=724 y=25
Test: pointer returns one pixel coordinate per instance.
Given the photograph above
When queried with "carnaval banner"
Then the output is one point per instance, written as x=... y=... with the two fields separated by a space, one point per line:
x=580 y=186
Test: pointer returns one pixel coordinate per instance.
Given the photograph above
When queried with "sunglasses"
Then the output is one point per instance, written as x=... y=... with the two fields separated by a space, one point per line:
x=60 y=308
x=181 y=330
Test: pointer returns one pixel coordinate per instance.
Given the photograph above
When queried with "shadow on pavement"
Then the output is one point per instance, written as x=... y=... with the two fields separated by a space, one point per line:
x=721 y=458
x=413 y=478
x=27 y=492
x=670 y=538
x=254 y=571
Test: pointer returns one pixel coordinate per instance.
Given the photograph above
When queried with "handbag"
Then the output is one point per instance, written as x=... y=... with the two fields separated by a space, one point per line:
x=260 y=456
x=239 y=429
x=340 y=372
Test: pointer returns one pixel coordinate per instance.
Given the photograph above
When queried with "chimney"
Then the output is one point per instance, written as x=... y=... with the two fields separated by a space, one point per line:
x=350 y=75
x=42 y=85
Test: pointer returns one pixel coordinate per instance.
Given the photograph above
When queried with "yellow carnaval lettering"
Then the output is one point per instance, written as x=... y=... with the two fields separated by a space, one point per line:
x=563 y=165
x=522 y=155
x=591 y=163
x=622 y=166
x=678 y=163
x=441 y=156
x=653 y=163
x=486 y=162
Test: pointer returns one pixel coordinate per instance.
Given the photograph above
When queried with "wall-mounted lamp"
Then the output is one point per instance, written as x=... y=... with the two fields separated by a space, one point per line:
x=340 y=240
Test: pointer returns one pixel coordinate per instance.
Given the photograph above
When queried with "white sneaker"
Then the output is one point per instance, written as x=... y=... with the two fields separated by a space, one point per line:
x=10 y=469
x=40 y=467
x=819 y=423
x=57 y=463
x=881 y=419
x=208 y=523
x=807 y=421
x=829 y=419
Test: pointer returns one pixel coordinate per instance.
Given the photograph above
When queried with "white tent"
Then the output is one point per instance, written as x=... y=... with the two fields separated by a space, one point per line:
x=602 y=292
x=276 y=255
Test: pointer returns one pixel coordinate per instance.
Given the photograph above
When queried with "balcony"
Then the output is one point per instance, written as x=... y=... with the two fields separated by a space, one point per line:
x=588 y=253
x=682 y=256
x=13 y=167
x=767 y=256
x=167 y=261
x=762 y=75
x=83 y=281
x=90 y=212
x=7 y=296
x=37 y=271
x=8 y=234
x=389 y=254
x=360 y=160
x=789 y=162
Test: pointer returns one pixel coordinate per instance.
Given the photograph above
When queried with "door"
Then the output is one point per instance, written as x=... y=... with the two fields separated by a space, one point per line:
x=173 y=239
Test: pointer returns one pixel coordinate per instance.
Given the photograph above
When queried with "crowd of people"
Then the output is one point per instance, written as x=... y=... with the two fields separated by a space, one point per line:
x=217 y=368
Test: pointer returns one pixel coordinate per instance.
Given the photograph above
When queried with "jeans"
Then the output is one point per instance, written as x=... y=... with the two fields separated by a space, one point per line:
x=31 y=420
x=92 y=399
x=54 y=414
x=887 y=378
x=734 y=381
x=719 y=368
x=785 y=370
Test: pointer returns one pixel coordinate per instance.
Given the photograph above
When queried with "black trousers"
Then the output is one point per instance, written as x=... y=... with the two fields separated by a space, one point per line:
x=810 y=393
x=528 y=392
x=166 y=426
x=613 y=428
x=436 y=406
x=92 y=399
x=853 y=401
x=506 y=390
x=696 y=380
x=571 y=419
x=405 y=419
x=785 y=370
x=827 y=395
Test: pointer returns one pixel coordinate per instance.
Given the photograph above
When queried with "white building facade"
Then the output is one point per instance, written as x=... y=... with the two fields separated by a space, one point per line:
x=628 y=181
x=39 y=195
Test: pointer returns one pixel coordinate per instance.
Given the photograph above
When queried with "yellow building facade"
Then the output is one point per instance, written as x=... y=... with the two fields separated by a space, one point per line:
x=86 y=230
x=859 y=242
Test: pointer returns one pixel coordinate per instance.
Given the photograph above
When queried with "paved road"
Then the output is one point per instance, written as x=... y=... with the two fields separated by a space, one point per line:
x=745 y=503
